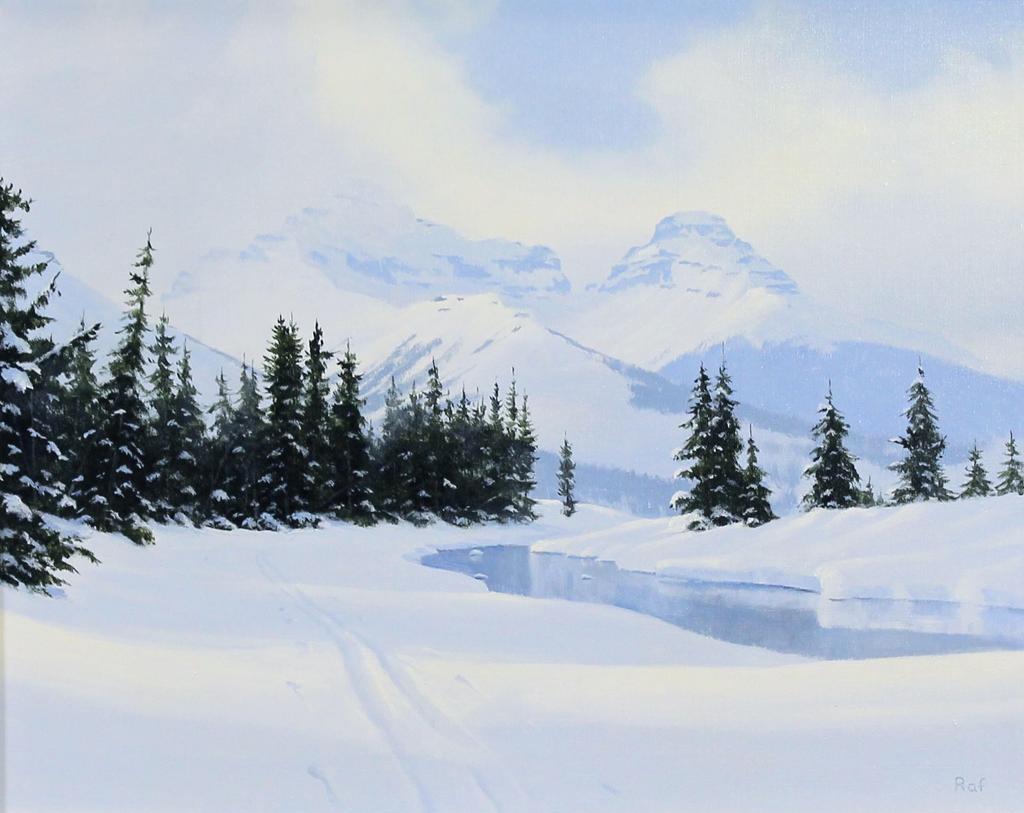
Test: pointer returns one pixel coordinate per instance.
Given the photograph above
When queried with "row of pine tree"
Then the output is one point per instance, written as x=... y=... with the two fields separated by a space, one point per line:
x=723 y=491
x=134 y=446
x=130 y=444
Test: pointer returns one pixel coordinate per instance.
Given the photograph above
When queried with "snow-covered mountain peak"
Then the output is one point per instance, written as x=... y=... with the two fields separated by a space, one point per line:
x=704 y=223
x=697 y=251
x=369 y=245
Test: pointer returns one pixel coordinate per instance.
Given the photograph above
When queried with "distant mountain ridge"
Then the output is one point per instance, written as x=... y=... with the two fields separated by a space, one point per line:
x=385 y=251
x=609 y=366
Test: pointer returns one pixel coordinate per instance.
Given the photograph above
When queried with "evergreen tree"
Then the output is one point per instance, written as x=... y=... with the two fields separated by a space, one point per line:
x=352 y=498
x=245 y=479
x=499 y=500
x=501 y=450
x=464 y=428
x=868 y=497
x=512 y=402
x=287 y=456
x=188 y=445
x=78 y=418
x=162 y=431
x=217 y=469
x=161 y=380
x=727 y=482
x=757 y=509
x=1011 y=478
x=920 y=472
x=318 y=482
x=33 y=552
x=567 y=479
x=438 y=482
x=832 y=472
x=977 y=483
x=416 y=459
x=697 y=454
x=524 y=456
x=391 y=462
x=480 y=465
x=116 y=477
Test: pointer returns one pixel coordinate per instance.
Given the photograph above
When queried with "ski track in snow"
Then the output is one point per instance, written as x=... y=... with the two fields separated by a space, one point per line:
x=317 y=774
x=387 y=694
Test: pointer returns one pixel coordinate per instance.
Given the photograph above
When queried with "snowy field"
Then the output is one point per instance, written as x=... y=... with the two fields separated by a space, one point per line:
x=328 y=670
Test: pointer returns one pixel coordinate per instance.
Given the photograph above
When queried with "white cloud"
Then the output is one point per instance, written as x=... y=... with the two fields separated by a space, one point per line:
x=907 y=205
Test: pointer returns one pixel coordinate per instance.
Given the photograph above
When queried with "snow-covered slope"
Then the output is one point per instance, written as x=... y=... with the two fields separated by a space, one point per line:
x=477 y=340
x=325 y=670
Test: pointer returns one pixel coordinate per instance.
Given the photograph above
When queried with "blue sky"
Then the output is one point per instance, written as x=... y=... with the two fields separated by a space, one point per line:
x=568 y=70
x=873 y=150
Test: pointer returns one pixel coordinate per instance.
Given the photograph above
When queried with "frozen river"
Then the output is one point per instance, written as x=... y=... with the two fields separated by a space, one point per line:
x=781 y=619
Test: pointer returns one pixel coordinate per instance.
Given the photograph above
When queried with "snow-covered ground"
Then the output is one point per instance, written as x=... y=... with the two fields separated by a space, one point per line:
x=328 y=670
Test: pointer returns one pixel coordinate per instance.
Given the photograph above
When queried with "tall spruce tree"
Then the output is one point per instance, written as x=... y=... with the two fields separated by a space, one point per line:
x=46 y=458
x=697 y=455
x=349 y=445
x=1011 y=477
x=315 y=419
x=524 y=445
x=391 y=462
x=920 y=472
x=496 y=450
x=78 y=418
x=726 y=445
x=413 y=451
x=33 y=552
x=977 y=483
x=567 y=479
x=477 y=450
x=505 y=450
x=287 y=456
x=464 y=427
x=246 y=481
x=215 y=499
x=757 y=508
x=438 y=462
x=162 y=431
x=116 y=477
x=189 y=446
x=832 y=471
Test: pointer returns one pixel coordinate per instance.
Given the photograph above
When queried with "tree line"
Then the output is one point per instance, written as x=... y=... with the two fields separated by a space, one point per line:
x=129 y=444
x=724 y=491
